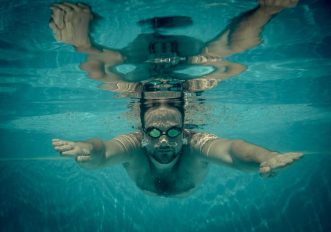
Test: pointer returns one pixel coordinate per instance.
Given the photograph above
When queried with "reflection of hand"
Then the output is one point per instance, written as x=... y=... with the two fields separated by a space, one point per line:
x=275 y=6
x=70 y=23
x=268 y=167
x=81 y=151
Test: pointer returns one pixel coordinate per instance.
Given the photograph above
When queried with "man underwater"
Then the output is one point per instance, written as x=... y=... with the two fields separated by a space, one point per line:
x=163 y=158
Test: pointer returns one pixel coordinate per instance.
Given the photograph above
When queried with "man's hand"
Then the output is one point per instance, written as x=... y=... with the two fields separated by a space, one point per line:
x=70 y=24
x=268 y=167
x=81 y=151
x=275 y=6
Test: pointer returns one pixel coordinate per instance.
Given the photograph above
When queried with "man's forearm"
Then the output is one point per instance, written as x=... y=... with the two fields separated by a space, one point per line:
x=247 y=152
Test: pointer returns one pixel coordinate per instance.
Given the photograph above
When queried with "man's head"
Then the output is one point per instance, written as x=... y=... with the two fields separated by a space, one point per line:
x=163 y=133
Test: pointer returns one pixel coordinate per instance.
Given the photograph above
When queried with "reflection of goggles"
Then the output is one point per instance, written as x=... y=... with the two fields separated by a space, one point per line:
x=166 y=60
x=163 y=85
x=156 y=132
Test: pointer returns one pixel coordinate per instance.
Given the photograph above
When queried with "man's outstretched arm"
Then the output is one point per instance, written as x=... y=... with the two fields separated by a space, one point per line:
x=95 y=153
x=241 y=154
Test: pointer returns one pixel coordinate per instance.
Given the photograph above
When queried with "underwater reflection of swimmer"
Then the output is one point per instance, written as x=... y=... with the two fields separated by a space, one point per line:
x=157 y=56
x=163 y=158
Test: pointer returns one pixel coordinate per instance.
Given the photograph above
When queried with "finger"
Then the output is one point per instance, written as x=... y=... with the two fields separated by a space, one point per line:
x=264 y=170
x=82 y=159
x=55 y=30
x=63 y=7
x=68 y=18
x=71 y=6
x=296 y=155
x=283 y=163
x=264 y=164
x=69 y=153
x=64 y=148
x=57 y=16
x=59 y=142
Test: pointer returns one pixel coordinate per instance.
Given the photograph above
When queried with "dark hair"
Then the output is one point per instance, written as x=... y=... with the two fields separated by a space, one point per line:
x=146 y=104
x=166 y=22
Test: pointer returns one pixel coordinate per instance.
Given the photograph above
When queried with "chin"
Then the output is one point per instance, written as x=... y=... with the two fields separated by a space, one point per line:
x=164 y=163
x=164 y=157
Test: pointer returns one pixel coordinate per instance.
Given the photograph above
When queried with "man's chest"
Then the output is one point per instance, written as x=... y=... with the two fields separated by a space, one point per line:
x=184 y=178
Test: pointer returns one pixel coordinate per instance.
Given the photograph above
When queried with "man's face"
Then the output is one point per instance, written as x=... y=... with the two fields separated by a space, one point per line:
x=163 y=133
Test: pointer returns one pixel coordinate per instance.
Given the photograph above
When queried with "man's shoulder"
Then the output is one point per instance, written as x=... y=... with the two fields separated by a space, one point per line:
x=129 y=141
x=198 y=136
x=198 y=139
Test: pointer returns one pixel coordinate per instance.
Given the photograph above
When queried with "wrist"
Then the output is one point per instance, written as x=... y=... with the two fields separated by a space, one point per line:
x=272 y=155
x=270 y=10
x=86 y=148
x=83 y=46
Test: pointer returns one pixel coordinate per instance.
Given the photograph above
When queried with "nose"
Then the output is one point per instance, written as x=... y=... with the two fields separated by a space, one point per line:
x=163 y=141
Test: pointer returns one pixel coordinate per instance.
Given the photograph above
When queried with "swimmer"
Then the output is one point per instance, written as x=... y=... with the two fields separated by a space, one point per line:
x=165 y=159
x=162 y=157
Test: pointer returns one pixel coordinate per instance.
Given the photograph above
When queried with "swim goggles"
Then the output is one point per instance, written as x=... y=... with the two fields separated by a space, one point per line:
x=155 y=133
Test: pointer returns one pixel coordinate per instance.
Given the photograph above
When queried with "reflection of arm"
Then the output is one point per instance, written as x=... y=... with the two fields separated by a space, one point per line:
x=244 y=31
x=224 y=69
x=241 y=35
x=96 y=65
x=71 y=25
x=96 y=62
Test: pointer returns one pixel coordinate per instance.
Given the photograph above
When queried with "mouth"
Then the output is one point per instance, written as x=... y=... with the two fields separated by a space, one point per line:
x=164 y=157
x=164 y=150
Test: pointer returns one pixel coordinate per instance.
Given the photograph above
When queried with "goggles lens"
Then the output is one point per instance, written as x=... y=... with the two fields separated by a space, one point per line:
x=173 y=132
x=156 y=133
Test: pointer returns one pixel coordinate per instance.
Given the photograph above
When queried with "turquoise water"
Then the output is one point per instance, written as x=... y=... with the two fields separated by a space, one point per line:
x=282 y=102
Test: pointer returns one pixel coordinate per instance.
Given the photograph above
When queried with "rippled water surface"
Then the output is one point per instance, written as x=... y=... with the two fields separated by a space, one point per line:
x=282 y=101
